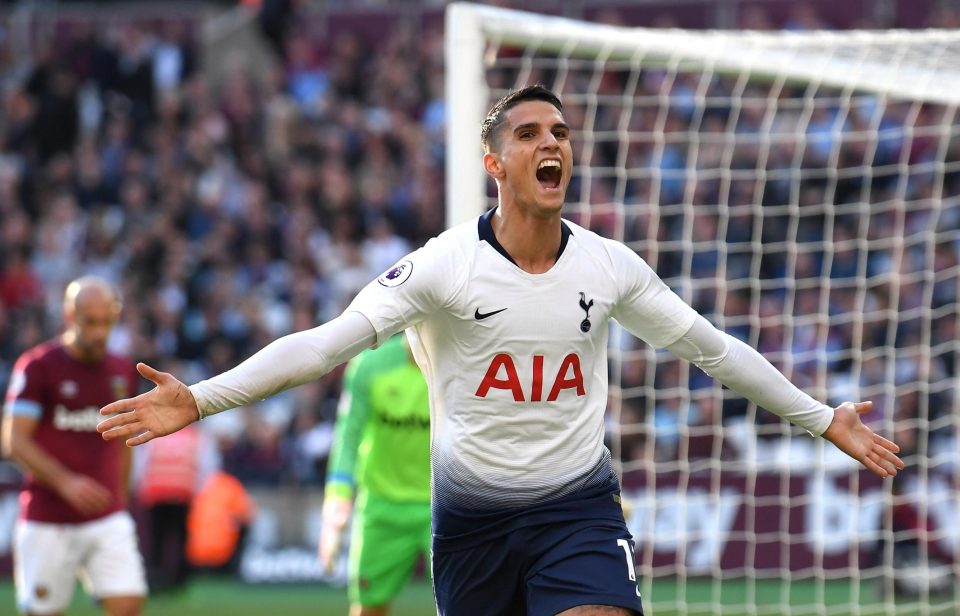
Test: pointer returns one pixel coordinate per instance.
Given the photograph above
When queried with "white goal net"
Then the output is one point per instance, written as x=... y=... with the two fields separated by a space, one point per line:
x=802 y=191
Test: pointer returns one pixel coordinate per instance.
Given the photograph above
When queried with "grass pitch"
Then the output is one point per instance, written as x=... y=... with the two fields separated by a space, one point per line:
x=227 y=597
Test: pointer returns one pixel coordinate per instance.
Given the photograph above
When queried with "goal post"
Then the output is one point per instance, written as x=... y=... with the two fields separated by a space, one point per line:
x=802 y=191
x=465 y=83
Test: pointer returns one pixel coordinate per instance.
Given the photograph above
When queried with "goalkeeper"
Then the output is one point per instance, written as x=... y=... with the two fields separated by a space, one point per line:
x=381 y=451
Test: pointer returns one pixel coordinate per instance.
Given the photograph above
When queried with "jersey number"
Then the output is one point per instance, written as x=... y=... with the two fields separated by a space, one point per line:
x=628 y=552
x=631 y=568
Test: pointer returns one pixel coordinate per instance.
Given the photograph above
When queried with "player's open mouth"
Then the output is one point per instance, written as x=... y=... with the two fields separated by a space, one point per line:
x=549 y=173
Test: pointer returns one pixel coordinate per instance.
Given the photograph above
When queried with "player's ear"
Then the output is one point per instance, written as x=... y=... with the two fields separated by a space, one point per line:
x=493 y=165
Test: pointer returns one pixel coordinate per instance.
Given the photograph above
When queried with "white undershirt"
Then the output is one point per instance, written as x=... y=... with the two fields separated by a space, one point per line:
x=307 y=355
x=287 y=362
x=742 y=369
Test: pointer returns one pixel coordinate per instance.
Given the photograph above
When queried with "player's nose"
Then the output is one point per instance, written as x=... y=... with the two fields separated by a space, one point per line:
x=99 y=339
x=550 y=141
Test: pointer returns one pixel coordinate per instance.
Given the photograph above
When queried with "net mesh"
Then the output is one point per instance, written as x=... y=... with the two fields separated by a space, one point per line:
x=801 y=192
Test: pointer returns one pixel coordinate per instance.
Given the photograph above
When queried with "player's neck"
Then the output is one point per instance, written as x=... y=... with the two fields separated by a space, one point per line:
x=532 y=241
x=74 y=350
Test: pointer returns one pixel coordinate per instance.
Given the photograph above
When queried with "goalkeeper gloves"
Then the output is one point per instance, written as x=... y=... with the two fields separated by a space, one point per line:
x=336 y=513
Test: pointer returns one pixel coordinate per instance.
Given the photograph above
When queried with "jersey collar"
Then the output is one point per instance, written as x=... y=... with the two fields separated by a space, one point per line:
x=485 y=229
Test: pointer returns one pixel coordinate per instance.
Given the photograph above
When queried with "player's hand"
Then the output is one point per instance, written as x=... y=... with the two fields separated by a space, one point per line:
x=84 y=494
x=163 y=410
x=336 y=513
x=858 y=441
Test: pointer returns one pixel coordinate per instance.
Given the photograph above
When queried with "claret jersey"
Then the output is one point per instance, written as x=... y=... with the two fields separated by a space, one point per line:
x=65 y=396
x=517 y=362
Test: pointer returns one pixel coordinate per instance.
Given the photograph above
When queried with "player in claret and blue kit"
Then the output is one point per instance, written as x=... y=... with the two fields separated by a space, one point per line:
x=73 y=519
x=508 y=318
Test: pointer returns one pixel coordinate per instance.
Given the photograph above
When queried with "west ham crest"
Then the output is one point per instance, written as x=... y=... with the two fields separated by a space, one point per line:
x=118 y=385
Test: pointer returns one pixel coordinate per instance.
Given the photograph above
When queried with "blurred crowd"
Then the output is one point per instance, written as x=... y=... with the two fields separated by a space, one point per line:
x=229 y=212
x=226 y=217
x=820 y=226
x=846 y=275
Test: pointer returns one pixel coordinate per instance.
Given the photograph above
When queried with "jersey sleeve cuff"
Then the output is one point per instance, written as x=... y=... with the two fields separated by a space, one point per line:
x=24 y=408
x=381 y=334
x=825 y=419
x=205 y=406
x=341 y=489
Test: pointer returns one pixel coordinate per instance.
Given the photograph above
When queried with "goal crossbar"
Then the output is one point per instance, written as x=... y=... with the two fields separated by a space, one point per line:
x=867 y=61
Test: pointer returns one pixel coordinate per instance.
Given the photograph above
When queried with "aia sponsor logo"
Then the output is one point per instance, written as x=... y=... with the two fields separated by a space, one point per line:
x=502 y=374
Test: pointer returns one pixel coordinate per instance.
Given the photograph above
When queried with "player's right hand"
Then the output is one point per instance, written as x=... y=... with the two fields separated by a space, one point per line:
x=336 y=513
x=84 y=494
x=163 y=410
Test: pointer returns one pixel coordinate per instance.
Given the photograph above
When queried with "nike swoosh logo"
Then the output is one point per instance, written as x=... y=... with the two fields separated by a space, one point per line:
x=483 y=315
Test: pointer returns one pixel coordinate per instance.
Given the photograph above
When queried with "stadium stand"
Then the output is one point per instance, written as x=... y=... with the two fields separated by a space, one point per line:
x=233 y=205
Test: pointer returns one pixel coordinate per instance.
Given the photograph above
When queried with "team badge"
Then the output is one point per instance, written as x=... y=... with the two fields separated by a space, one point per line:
x=585 y=323
x=68 y=389
x=118 y=385
x=396 y=275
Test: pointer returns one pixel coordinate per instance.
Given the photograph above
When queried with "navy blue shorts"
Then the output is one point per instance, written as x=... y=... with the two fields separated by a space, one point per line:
x=543 y=568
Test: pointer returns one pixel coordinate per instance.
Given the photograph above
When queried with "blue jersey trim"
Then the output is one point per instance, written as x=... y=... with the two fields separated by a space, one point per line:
x=342 y=477
x=25 y=408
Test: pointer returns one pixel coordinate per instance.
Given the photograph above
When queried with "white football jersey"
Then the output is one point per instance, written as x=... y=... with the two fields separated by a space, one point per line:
x=517 y=362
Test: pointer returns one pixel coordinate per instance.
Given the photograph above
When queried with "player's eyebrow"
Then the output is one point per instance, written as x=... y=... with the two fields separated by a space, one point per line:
x=534 y=125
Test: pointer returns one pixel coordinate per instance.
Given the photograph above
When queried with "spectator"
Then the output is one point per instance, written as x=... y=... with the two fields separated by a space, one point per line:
x=168 y=476
x=218 y=524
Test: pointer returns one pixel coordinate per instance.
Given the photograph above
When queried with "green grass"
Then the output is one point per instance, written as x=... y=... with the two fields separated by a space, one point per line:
x=740 y=597
x=224 y=597
x=227 y=597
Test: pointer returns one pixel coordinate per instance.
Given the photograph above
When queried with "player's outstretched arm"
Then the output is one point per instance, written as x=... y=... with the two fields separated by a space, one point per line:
x=743 y=369
x=289 y=361
x=857 y=440
x=163 y=410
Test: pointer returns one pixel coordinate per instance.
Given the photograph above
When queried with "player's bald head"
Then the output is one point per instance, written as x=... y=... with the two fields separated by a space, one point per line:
x=89 y=290
x=90 y=310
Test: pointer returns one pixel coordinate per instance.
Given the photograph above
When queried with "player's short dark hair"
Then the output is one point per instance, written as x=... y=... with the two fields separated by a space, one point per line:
x=489 y=132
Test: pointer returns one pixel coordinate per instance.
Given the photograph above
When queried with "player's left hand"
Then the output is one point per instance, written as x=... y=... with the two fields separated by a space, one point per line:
x=858 y=441
x=336 y=513
x=163 y=410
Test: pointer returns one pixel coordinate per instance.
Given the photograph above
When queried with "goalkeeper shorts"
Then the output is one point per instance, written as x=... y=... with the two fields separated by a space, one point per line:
x=387 y=539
